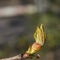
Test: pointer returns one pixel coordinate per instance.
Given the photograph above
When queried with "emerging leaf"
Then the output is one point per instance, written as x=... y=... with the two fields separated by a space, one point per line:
x=40 y=37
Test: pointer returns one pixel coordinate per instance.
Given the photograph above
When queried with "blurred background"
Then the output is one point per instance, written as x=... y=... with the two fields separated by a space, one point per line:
x=18 y=22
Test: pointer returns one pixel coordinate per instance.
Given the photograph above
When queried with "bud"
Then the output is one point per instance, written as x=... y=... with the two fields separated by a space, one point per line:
x=40 y=37
x=34 y=48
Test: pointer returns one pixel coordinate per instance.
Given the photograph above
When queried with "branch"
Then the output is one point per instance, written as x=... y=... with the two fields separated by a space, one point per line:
x=18 y=57
x=17 y=10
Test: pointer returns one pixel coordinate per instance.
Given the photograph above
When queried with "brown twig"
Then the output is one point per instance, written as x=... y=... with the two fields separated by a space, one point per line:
x=20 y=57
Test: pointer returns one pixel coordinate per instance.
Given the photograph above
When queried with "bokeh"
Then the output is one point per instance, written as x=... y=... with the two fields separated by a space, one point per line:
x=18 y=22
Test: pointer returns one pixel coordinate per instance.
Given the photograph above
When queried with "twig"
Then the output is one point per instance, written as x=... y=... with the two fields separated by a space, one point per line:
x=18 y=57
